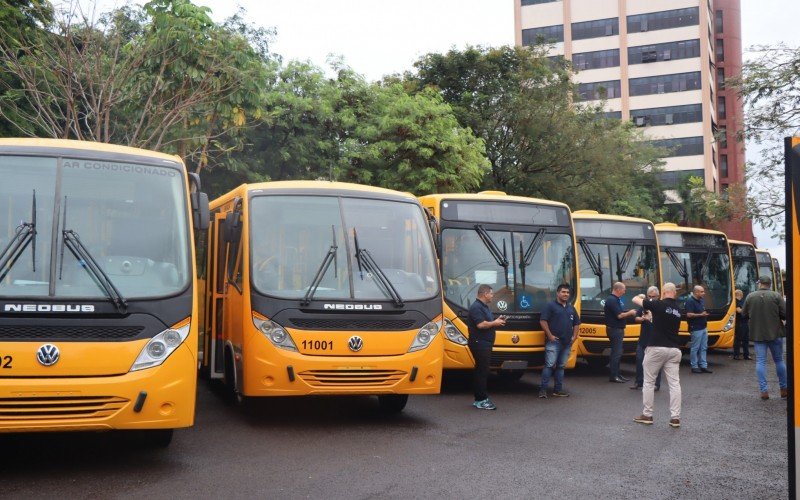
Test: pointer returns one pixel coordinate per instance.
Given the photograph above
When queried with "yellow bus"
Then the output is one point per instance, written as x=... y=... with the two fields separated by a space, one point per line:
x=316 y=287
x=778 y=276
x=612 y=248
x=695 y=256
x=745 y=266
x=524 y=248
x=792 y=159
x=766 y=267
x=97 y=284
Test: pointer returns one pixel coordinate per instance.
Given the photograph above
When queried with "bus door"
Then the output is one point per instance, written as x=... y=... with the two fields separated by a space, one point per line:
x=214 y=343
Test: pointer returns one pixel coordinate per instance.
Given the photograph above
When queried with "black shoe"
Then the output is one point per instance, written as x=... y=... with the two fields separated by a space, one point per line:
x=624 y=378
x=697 y=370
x=617 y=380
x=736 y=357
x=635 y=387
x=748 y=358
x=705 y=370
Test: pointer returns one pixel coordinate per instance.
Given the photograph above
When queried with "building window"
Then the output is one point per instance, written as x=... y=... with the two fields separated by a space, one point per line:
x=664 y=52
x=594 y=60
x=721 y=113
x=670 y=115
x=682 y=146
x=718 y=21
x=720 y=78
x=545 y=34
x=674 y=178
x=719 y=51
x=536 y=2
x=722 y=137
x=723 y=165
x=595 y=29
x=664 y=20
x=664 y=84
x=599 y=90
x=612 y=115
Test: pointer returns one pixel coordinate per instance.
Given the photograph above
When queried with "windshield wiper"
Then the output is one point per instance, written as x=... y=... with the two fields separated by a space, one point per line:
x=488 y=242
x=323 y=268
x=24 y=234
x=70 y=239
x=680 y=267
x=622 y=264
x=526 y=257
x=594 y=262
x=365 y=259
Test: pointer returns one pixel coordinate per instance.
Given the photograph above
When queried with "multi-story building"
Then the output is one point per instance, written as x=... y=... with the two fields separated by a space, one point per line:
x=661 y=64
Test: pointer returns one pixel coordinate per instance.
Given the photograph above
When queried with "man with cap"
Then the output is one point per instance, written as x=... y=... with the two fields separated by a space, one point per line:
x=766 y=312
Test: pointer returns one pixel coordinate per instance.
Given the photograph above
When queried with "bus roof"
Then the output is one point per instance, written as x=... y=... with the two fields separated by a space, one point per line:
x=595 y=215
x=669 y=226
x=739 y=242
x=68 y=144
x=312 y=187
x=491 y=196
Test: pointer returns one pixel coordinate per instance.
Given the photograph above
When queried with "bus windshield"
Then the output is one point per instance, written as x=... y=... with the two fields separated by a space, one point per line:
x=468 y=261
x=130 y=218
x=709 y=268
x=745 y=269
x=376 y=248
x=603 y=264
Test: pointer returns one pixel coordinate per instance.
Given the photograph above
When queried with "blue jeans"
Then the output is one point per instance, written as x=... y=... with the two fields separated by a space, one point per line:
x=776 y=348
x=697 y=354
x=640 y=370
x=556 y=354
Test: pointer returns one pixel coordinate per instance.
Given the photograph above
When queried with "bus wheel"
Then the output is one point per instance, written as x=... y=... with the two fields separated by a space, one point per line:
x=597 y=362
x=158 y=438
x=510 y=375
x=393 y=403
x=232 y=394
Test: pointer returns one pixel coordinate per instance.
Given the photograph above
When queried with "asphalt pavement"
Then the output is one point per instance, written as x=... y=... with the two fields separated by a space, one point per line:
x=731 y=445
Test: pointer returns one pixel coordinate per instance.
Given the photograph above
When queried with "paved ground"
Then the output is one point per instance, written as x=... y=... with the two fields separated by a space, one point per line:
x=731 y=445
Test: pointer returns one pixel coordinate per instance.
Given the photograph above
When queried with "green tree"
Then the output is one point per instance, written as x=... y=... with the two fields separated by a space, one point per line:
x=539 y=142
x=163 y=76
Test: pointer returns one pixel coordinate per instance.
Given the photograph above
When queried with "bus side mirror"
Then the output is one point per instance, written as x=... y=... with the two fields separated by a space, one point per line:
x=200 y=210
x=233 y=227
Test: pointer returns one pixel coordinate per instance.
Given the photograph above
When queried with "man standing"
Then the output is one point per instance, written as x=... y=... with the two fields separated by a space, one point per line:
x=645 y=318
x=663 y=352
x=481 y=325
x=766 y=311
x=741 y=337
x=615 y=317
x=697 y=317
x=560 y=323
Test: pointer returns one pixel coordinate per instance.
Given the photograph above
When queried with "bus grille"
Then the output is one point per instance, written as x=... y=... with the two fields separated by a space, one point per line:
x=59 y=408
x=328 y=378
x=75 y=333
x=533 y=358
x=598 y=346
x=352 y=324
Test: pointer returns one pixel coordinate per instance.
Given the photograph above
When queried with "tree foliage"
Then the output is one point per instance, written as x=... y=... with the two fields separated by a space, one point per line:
x=163 y=76
x=770 y=87
x=539 y=142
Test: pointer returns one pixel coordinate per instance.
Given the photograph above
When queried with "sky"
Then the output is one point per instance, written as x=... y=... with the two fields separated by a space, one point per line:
x=381 y=37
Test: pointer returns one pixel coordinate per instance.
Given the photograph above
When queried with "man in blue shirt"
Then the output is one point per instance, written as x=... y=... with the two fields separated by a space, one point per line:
x=697 y=317
x=616 y=319
x=560 y=323
x=481 y=325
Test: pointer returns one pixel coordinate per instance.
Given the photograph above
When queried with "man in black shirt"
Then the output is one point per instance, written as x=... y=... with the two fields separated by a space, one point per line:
x=663 y=352
x=481 y=325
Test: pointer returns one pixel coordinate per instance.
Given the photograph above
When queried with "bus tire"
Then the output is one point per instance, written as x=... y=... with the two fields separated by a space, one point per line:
x=158 y=438
x=232 y=394
x=392 y=403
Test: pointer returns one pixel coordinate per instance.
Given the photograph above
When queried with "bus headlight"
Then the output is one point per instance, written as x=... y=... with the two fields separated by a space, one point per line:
x=452 y=334
x=158 y=349
x=425 y=335
x=275 y=333
x=729 y=324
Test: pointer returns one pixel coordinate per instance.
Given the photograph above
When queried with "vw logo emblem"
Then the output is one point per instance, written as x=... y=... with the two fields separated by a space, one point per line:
x=515 y=339
x=355 y=343
x=48 y=355
x=502 y=305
